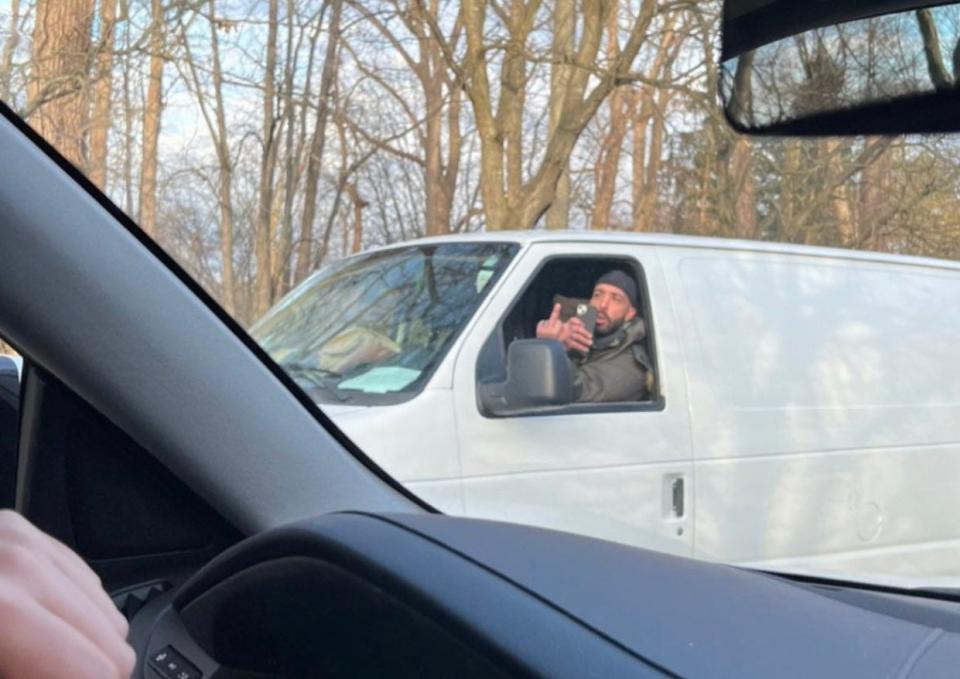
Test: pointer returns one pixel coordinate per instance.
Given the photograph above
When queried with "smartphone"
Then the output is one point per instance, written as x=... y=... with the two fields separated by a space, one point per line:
x=588 y=316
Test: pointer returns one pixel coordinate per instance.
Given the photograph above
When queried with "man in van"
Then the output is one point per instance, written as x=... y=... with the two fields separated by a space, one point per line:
x=609 y=364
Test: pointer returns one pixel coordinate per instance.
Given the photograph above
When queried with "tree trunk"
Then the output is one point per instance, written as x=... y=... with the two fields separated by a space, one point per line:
x=358 y=205
x=513 y=88
x=651 y=181
x=57 y=91
x=744 y=189
x=705 y=221
x=264 y=292
x=9 y=48
x=641 y=123
x=440 y=178
x=651 y=133
x=789 y=188
x=225 y=205
x=433 y=157
x=608 y=161
x=840 y=201
x=312 y=180
x=939 y=77
x=128 y=118
x=873 y=199
x=224 y=174
x=282 y=277
x=564 y=24
x=741 y=164
x=454 y=143
x=151 y=123
x=103 y=91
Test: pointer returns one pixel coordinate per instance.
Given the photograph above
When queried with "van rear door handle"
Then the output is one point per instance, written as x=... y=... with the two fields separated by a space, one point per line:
x=676 y=491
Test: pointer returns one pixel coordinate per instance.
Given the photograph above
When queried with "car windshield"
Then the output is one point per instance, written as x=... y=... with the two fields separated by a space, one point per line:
x=516 y=254
x=371 y=329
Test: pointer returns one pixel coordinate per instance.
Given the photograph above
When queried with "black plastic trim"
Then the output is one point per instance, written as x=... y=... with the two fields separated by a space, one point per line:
x=933 y=594
x=932 y=113
x=773 y=21
x=588 y=409
x=339 y=539
x=523 y=588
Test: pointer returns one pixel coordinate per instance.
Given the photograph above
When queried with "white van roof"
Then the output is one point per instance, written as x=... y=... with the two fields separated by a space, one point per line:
x=525 y=238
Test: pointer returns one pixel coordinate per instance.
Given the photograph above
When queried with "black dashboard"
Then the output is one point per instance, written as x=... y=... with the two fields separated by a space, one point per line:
x=356 y=594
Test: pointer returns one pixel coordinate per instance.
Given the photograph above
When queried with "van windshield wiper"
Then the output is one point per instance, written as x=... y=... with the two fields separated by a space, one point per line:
x=314 y=378
x=311 y=370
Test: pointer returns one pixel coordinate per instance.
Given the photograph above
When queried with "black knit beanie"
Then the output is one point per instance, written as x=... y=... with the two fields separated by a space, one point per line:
x=625 y=282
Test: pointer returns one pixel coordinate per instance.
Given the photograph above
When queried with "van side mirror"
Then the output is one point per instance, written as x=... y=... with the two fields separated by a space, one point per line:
x=539 y=376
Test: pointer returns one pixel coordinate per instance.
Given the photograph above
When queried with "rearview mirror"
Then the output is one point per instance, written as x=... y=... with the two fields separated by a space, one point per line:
x=843 y=67
x=539 y=376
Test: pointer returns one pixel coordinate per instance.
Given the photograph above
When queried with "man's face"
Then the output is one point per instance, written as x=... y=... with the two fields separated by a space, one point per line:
x=613 y=308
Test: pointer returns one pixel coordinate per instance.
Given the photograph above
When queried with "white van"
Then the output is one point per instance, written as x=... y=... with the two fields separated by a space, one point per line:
x=804 y=397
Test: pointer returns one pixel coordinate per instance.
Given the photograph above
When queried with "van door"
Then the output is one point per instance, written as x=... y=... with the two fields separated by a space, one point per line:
x=619 y=471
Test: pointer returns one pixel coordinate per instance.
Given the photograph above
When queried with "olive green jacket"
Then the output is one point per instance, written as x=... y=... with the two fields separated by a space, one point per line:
x=617 y=367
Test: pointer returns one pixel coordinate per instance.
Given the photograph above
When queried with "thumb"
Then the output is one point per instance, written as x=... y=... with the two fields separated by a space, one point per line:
x=555 y=314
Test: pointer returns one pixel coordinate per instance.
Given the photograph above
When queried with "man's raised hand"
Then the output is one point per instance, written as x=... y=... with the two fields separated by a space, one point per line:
x=572 y=334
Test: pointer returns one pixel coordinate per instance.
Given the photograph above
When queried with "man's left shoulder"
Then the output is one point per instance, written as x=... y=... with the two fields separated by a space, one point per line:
x=636 y=331
x=636 y=334
x=640 y=356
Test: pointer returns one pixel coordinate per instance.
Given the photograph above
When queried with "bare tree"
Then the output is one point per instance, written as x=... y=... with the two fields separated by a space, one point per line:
x=359 y=203
x=151 y=122
x=291 y=156
x=608 y=157
x=268 y=165
x=650 y=105
x=509 y=198
x=564 y=26
x=126 y=76
x=103 y=93
x=305 y=256
x=437 y=127
x=939 y=75
x=216 y=122
x=9 y=48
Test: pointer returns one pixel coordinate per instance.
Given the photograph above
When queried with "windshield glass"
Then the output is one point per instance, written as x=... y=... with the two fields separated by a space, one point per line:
x=519 y=258
x=372 y=328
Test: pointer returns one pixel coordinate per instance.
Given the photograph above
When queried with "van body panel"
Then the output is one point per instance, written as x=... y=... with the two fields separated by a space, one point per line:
x=825 y=418
x=422 y=442
x=633 y=506
x=823 y=509
x=819 y=355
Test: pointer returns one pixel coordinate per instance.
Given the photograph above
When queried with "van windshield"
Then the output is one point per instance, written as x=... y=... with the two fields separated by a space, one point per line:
x=371 y=329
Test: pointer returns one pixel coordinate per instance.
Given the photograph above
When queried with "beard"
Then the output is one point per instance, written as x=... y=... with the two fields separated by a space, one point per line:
x=611 y=327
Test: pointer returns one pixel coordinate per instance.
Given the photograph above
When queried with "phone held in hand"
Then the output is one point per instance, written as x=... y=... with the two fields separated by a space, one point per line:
x=588 y=316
